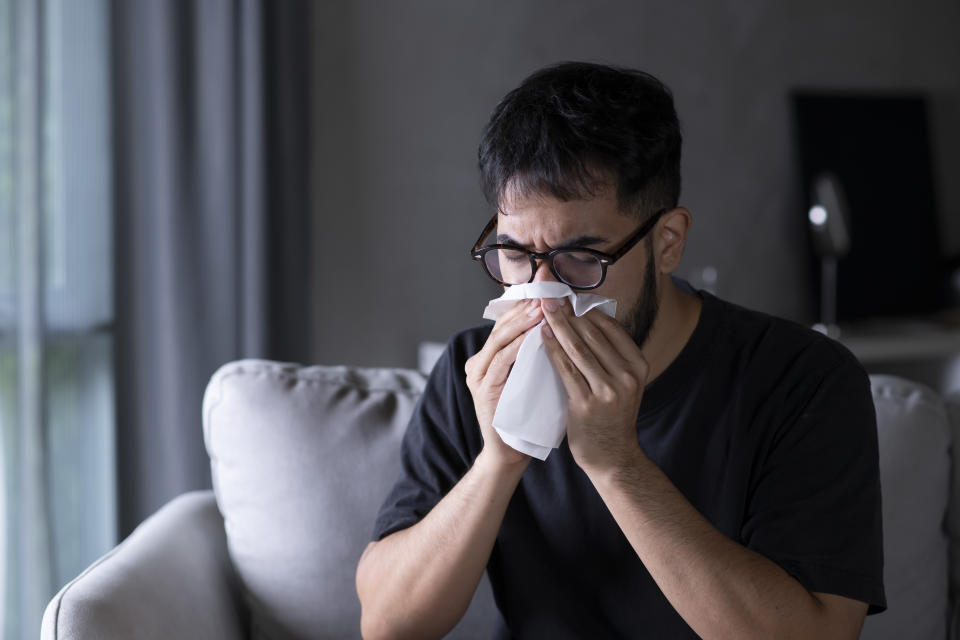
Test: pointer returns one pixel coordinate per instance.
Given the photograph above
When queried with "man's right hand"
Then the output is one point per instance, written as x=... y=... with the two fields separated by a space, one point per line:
x=488 y=369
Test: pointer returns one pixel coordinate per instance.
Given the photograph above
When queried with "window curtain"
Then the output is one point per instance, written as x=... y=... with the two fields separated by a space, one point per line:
x=210 y=195
x=153 y=225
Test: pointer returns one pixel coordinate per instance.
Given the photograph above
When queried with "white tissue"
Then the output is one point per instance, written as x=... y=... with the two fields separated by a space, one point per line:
x=531 y=416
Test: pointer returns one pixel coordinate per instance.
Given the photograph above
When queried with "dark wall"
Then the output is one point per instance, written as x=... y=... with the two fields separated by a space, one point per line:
x=401 y=91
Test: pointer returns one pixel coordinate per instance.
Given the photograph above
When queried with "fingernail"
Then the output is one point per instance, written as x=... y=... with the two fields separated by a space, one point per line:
x=547 y=331
x=534 y=309
x=550 y=304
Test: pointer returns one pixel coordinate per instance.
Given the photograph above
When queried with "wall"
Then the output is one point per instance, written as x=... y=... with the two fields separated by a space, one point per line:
x=401 y=91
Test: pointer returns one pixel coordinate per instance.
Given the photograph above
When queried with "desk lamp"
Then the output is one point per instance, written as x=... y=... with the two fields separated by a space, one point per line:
x=829 y=218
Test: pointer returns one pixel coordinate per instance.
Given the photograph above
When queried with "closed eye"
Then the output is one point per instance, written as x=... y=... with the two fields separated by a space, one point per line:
x=581 y=256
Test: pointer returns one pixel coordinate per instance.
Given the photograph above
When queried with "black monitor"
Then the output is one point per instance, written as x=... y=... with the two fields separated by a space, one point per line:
x=878 y=148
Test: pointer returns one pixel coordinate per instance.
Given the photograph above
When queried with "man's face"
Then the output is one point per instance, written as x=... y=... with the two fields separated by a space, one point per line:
x=543 y=223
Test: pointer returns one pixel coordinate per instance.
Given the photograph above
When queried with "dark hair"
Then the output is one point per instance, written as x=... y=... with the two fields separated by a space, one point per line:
x=569 y=129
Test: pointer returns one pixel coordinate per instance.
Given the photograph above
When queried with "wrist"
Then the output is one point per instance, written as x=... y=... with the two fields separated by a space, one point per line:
x=507 y=465
x=614 y=469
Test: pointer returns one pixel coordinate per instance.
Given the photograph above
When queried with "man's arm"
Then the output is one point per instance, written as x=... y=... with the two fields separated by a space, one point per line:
x=720 y=588
x=418 y=582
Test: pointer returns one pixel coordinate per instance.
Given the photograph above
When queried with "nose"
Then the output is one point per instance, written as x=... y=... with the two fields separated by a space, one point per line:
x=543 y=273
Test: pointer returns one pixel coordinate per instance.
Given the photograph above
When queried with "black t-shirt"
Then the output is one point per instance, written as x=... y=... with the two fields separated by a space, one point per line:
x=766 y=427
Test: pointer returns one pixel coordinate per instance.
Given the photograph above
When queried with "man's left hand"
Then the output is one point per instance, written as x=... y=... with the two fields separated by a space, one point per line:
x=604 y=374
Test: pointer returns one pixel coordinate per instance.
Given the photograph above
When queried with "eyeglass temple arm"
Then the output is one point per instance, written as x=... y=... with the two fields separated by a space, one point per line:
x=638 y=236
x=486 y=230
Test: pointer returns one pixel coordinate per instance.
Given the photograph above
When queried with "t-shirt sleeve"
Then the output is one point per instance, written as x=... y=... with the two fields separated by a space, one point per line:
x=815 y=506
x=441 y=442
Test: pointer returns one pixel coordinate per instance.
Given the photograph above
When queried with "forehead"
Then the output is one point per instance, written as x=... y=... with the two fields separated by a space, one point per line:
x=538 y=219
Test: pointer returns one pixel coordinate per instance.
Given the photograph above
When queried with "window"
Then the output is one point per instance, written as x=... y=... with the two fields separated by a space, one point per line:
x=57 y=460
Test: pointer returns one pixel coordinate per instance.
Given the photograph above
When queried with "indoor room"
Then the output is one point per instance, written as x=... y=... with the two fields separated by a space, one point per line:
x=260 y=377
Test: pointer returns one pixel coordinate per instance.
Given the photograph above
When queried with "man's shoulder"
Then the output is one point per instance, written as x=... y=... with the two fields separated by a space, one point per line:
x=768 y=338
x=467 y=342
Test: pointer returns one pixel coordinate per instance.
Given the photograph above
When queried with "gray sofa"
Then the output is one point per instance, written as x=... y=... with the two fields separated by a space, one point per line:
x=301 y=458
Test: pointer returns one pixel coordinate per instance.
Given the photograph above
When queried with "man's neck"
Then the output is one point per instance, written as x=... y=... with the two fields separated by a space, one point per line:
x=676 y=320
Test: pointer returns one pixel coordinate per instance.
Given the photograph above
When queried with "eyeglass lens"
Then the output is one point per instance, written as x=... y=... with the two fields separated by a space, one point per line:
x=512 y=266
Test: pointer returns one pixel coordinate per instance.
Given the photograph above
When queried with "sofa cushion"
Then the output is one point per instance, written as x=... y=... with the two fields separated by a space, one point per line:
x=301 y=459
x=914 y=436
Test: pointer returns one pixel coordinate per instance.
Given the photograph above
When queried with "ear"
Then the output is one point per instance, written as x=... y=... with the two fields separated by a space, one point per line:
x=671 y=239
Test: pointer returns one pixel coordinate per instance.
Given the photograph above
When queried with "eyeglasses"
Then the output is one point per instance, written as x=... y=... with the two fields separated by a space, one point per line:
x=580 y=268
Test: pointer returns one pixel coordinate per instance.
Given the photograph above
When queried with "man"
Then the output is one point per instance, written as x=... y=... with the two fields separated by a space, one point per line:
x=720 y=472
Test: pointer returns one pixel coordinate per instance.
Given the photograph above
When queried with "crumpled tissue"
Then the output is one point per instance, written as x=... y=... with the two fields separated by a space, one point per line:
x=531 y=415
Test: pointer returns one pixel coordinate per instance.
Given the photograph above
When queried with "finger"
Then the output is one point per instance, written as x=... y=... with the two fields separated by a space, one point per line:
x=627 y=373
x=571 y=377
x=522 y=317
x=622 y=342
x=502 y=362
x=576 y=349
x=596 y=334
x=516 y=321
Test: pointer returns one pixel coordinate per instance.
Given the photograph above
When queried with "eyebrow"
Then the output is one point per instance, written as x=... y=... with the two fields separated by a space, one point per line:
x=579 y=241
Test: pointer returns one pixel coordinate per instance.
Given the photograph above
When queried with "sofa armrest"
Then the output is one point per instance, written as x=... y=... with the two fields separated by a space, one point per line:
x=171 y=578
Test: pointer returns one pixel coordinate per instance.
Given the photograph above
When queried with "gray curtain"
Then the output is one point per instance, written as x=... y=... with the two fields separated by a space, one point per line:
x=210 y=113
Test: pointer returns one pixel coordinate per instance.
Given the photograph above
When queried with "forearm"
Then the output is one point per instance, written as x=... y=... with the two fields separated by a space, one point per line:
x=418 y=582
x=719 y=587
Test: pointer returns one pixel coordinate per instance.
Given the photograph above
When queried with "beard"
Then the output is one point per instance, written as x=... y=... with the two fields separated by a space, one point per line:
x=639 y=321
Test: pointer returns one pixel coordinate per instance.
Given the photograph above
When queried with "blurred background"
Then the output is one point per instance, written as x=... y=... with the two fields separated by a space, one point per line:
x=183 y=183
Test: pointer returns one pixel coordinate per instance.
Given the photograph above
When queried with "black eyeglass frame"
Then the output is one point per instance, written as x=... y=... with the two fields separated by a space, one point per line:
x=606 y=259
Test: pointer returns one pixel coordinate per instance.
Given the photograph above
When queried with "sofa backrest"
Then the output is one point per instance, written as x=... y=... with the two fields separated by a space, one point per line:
x=301 y=458
x=915 y=435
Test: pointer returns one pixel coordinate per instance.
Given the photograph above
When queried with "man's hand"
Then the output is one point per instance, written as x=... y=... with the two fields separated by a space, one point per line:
x=604 y=374
x=488 y=369
x=719 y=587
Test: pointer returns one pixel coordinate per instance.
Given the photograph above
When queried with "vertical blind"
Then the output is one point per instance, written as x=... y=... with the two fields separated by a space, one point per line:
x=57 y=460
